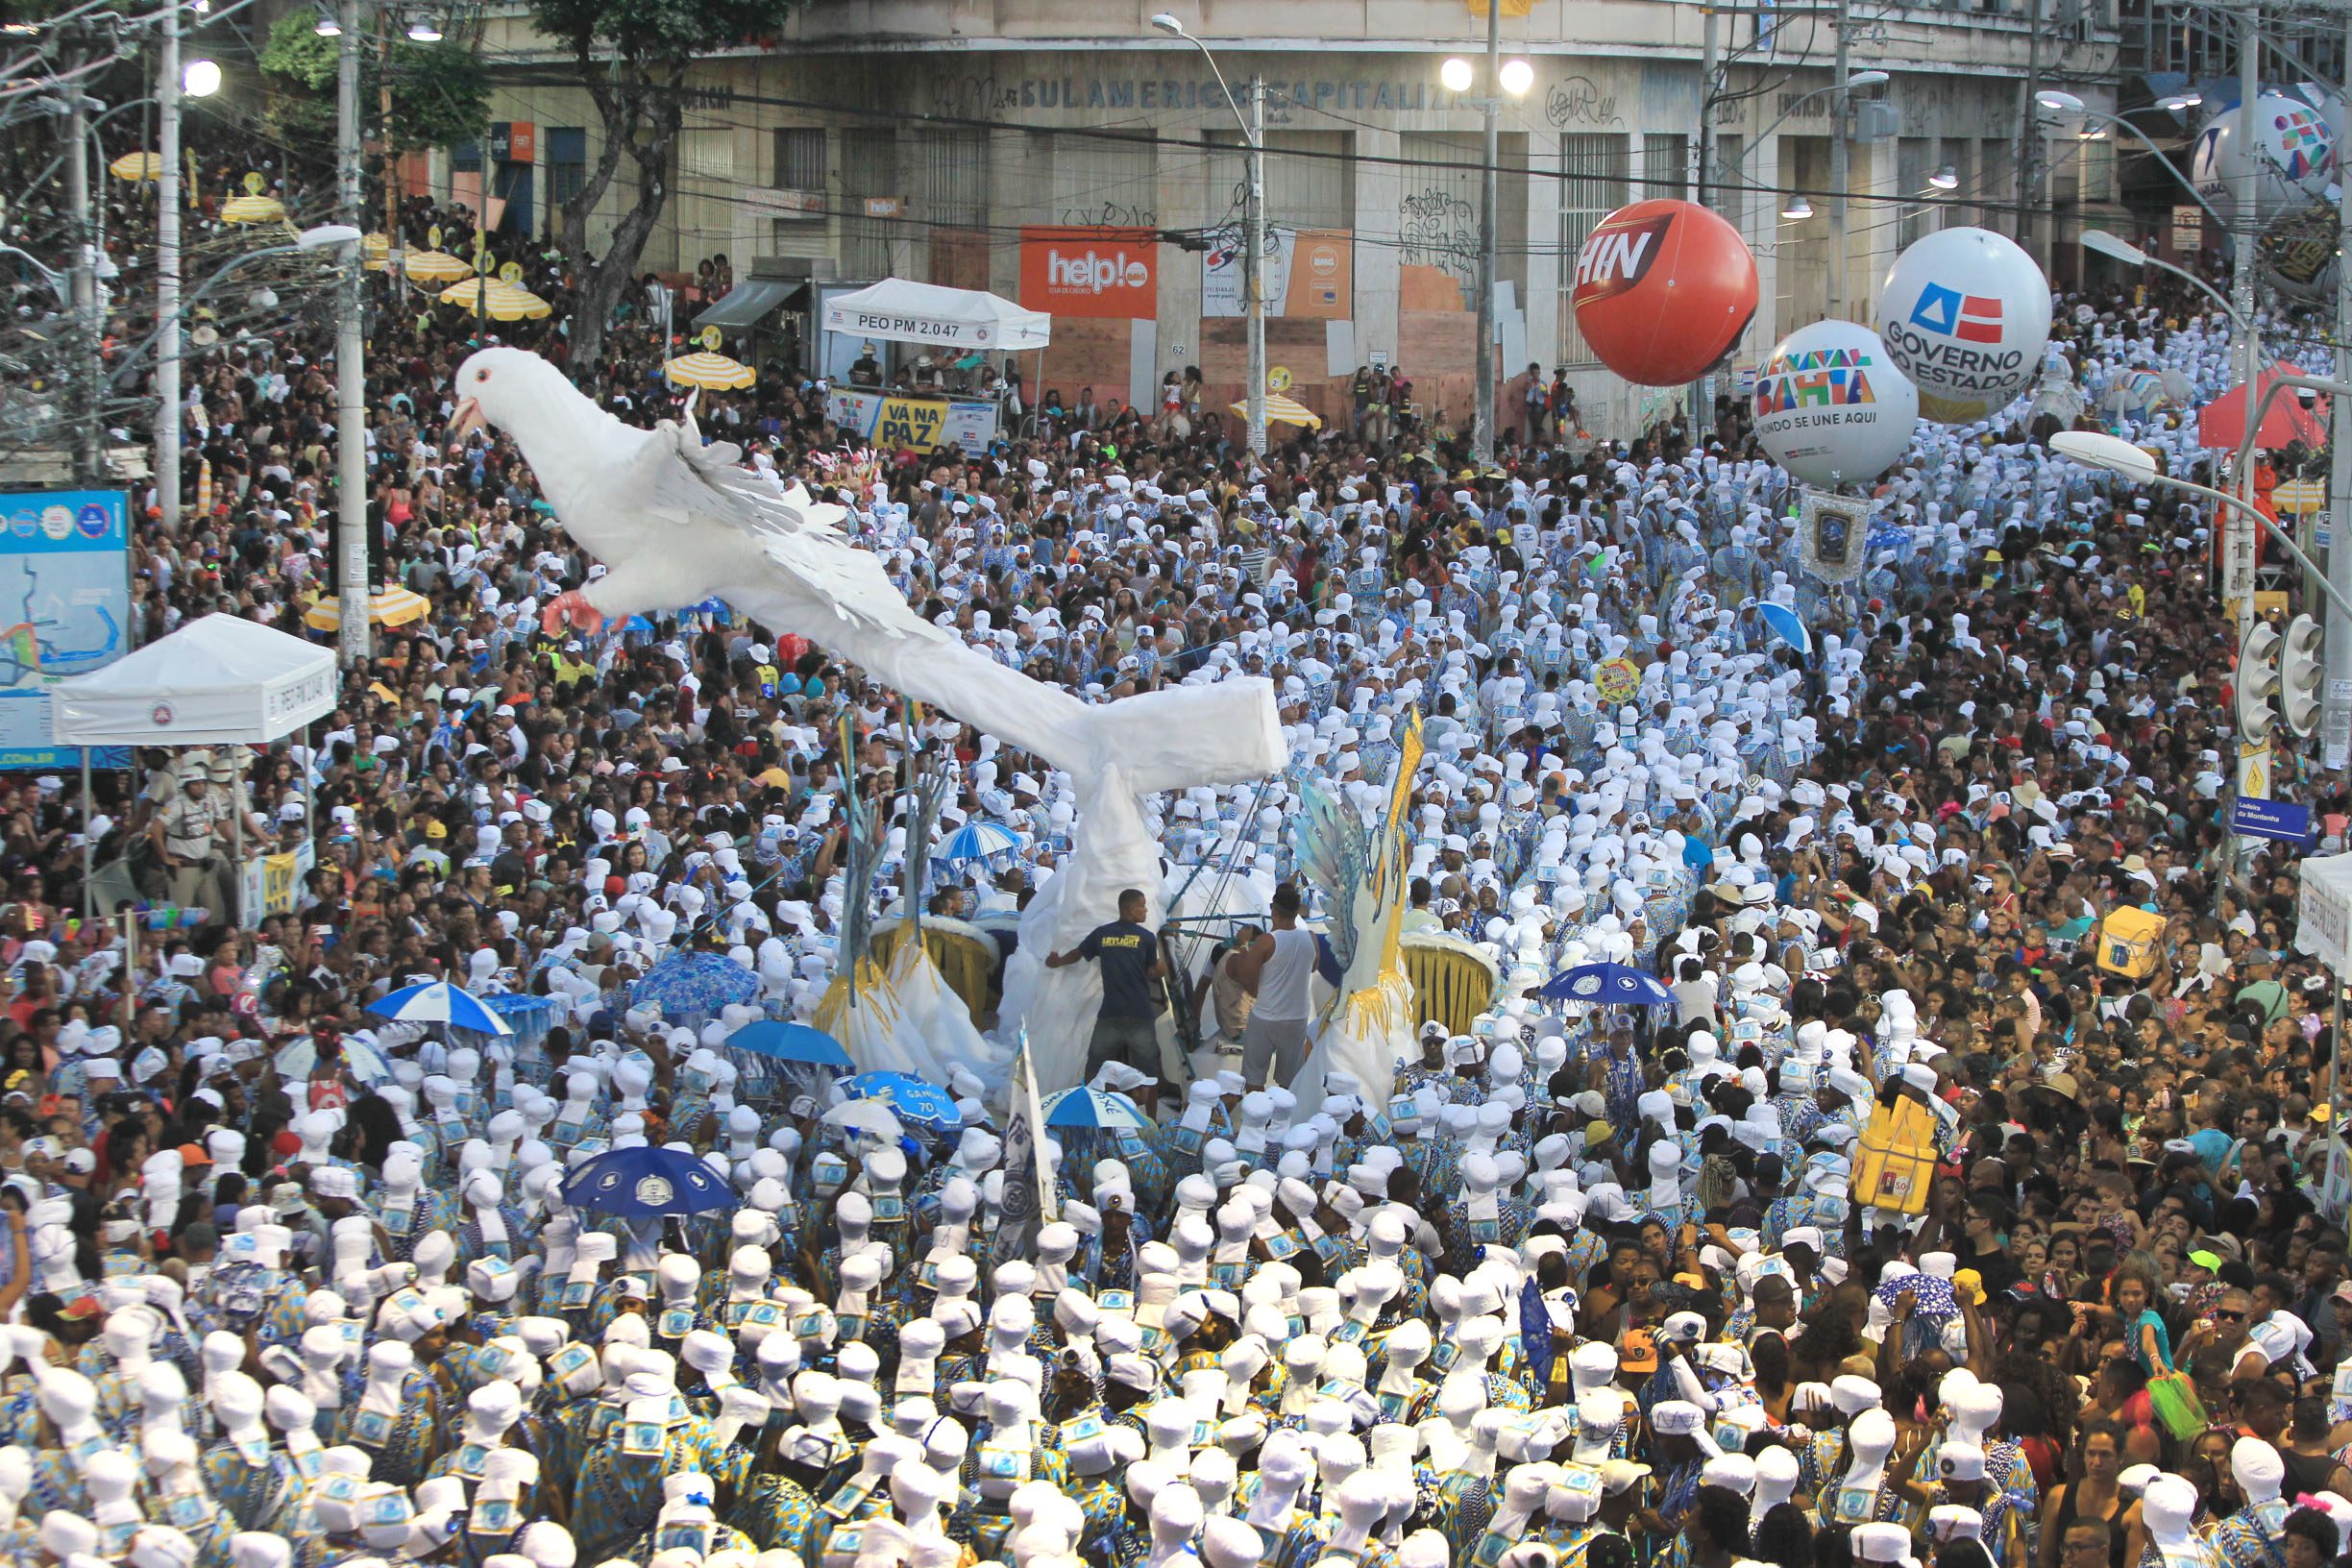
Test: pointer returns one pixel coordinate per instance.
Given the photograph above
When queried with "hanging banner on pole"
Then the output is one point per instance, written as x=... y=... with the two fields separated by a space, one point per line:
x=1308 y=272
x=896 y=421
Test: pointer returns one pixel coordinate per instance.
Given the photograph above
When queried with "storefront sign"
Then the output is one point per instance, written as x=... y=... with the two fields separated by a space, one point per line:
x=1102 y=273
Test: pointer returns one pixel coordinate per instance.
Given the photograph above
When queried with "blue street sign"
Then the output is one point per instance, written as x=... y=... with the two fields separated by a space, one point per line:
x=2281 y=820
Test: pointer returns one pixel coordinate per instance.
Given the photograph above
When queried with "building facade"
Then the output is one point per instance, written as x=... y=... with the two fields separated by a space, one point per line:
x=1077 y=158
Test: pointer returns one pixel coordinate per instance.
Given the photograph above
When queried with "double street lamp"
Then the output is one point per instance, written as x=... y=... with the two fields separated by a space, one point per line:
x=1511 y=78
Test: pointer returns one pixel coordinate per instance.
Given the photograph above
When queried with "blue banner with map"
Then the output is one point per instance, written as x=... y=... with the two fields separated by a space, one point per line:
x=65 y=610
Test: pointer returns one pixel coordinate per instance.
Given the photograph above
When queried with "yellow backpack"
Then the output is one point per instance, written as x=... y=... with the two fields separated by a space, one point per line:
x=1896 y=1159
x=2131 y=941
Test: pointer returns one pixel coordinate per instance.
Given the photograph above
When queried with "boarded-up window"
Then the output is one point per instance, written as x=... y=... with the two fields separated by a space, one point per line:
x=1592 y=187
x=950 y=171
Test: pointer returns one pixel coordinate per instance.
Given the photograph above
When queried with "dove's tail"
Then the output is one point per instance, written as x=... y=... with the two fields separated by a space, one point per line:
x=1222 y=734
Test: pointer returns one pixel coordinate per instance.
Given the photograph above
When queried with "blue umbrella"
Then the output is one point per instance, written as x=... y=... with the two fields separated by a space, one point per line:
x=1606 y=985
x=977 y=841
x=926 y=1105
x=695 y=983
x=1093 y=1108
x=1784 y=624
x=791 y=1042
x=643 y=1182
x=439 y=1003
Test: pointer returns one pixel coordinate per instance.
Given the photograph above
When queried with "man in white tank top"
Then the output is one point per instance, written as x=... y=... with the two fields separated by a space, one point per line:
x=1281 y=963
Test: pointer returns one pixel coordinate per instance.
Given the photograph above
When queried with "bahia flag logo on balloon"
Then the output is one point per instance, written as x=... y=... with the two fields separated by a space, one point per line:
x=1971 y=318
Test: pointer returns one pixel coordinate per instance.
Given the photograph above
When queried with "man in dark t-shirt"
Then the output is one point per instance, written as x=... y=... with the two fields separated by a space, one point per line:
x=1126 y=1028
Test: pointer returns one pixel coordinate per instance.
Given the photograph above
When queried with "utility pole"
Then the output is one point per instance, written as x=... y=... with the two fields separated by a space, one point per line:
x=1482 y=366
x=396 y=251
x=2029 y=146
x=1253 y=261
x=2335 y=697
x=85 y=286
x=1701 y=395
x=169 y=418
x=2240 y=542
x=1842 y=105
x=351 y=355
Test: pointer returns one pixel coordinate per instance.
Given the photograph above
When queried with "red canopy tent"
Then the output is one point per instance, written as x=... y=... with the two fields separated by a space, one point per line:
x=2221 y=423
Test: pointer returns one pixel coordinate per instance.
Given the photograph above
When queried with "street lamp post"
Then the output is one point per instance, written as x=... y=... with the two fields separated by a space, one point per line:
x=1799 y=208
x=1502 y=78
x=1253 y=223
x=2118 y=249
x=2066 y=104
x=2121 y=457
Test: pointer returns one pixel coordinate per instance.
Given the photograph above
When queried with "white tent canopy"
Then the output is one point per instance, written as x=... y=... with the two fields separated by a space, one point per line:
x=216 y=681
x=902 y=311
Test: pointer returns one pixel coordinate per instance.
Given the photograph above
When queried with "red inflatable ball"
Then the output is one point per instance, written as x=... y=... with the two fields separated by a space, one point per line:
x=1663 y=290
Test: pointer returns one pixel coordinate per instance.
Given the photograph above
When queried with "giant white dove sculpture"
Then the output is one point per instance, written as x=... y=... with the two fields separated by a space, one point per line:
x=677 y=522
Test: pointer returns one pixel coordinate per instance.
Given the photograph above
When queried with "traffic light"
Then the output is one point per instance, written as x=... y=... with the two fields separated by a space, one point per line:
x=2258 y=680
x=2301 y=669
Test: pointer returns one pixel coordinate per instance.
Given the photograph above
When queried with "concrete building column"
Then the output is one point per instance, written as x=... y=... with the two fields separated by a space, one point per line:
x=1380 y=195
x=1548 y=272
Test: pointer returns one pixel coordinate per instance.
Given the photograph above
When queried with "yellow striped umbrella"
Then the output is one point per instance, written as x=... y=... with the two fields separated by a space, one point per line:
x=137 y=166
x=1282 y=410
x=436 y=267
x=715 y=372
x=2300 y=497
x=254 y=210
x=393 y=607
x=507 y=302
x=375 y=253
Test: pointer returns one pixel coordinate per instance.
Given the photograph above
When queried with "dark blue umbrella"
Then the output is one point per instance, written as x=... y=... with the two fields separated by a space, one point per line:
x=1606 y=985
x=645 y=1182
x=791 y=1042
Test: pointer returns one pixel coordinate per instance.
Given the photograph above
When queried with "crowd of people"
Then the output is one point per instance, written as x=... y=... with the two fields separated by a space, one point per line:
x=291 y=1286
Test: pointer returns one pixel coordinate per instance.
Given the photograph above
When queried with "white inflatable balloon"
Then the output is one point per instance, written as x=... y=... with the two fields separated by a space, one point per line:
x=2293 y=150
x=1830 y=406
x=1966 y=314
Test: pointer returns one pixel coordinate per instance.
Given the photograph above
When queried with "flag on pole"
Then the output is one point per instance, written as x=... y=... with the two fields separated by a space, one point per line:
x=1536 y=1342
x=1028 y=1185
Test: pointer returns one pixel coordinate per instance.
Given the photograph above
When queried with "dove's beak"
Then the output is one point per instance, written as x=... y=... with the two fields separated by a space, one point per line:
x=466 y=420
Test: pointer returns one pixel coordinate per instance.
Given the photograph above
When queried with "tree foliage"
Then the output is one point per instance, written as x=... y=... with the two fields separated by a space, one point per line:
x=440 y=91
x=632 y=57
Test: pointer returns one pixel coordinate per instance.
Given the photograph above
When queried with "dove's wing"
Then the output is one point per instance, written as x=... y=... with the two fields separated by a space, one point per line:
x=685 y=479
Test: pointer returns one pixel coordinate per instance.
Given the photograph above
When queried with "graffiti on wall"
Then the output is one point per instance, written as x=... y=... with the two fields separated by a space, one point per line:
x=1439 y=228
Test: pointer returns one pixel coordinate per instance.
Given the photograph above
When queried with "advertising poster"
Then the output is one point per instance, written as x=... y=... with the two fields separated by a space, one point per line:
x=65 y=610
x=1310 y=272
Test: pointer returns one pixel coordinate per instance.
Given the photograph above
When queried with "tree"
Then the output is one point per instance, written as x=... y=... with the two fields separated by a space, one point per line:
x=632 y=57
x=440 y=91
